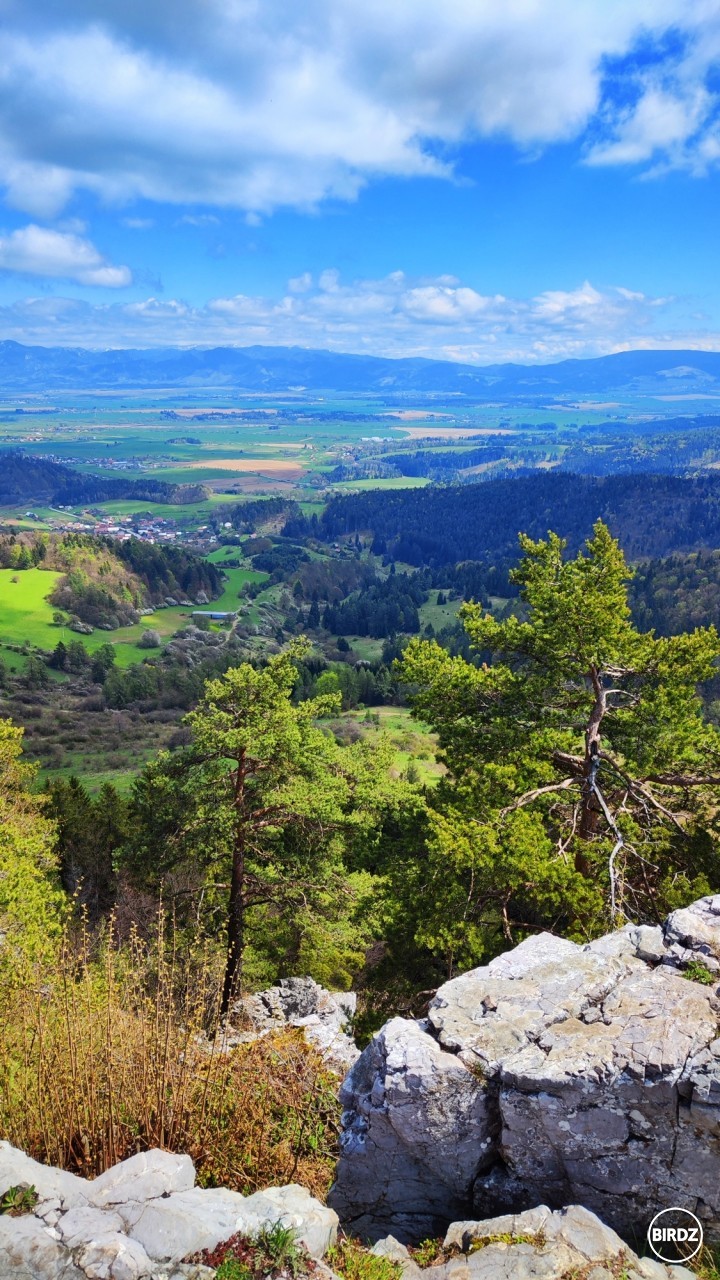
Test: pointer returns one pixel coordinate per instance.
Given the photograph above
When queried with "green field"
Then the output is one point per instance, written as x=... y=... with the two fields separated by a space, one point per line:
x=388 y=482
x=26 y=617
x=411 y=740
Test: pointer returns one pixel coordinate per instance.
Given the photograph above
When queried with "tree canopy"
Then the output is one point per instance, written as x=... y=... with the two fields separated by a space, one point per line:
x=31 y=902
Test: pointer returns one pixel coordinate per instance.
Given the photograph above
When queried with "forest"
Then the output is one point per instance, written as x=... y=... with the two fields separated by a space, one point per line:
x=651 y=515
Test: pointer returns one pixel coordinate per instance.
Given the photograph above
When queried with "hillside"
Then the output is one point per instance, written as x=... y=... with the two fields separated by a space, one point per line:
x=290 y=368
x=40 y=480
x=651 y=515
x=105 y=583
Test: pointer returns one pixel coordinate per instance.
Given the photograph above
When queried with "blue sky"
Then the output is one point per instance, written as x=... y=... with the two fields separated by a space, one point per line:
x=481 y=180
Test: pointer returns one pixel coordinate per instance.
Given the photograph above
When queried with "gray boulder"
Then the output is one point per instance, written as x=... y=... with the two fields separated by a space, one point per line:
x=18 y=1170
x=324 y=1016
x=545 y=1245
x=558 y=1074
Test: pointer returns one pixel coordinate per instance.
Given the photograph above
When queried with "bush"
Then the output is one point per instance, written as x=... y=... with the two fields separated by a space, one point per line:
x=103 y=1057
x=150 y=639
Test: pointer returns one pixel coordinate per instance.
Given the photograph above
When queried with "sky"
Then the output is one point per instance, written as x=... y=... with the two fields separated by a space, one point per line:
x=473 y=180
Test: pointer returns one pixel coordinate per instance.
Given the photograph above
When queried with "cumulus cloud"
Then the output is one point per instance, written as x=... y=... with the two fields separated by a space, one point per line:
x=396 y=315
x=40 y=251
x=257 y=106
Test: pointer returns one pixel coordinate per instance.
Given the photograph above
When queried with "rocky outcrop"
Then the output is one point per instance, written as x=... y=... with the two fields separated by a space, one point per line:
x=324 y=1017
x=568 y=1244
x=557 y=1074
x=138 y=1219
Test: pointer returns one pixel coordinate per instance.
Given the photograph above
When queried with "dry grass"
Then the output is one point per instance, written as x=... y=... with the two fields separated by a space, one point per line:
x=109 y=1055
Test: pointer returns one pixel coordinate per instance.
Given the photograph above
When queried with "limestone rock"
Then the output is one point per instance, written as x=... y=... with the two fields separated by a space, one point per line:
x=696 y=928
x=397 y=1252
x=139 y=1220
x=80 y=1225
x=19 y=1170
x=559 y=1074
x=324 y=1017
x=143 y=1177
x=113 y=1257
x=28 y=1251
x=314 y=1224
x=544 y=1244
x=412 y=1136
x=172 y=1227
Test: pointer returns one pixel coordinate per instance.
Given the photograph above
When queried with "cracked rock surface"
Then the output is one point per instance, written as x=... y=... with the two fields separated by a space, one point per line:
x=557 y=1074
x=138 y=1220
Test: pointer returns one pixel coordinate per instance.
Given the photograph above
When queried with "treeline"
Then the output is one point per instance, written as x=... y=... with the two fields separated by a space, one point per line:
x=168 y=571
x=427 y=462
x=246 y=516
x=167 y=684
x=652 y=515
x=27 y=479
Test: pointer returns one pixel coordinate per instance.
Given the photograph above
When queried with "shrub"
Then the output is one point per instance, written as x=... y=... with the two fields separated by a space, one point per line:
x=150 y=639
x=105 y=1055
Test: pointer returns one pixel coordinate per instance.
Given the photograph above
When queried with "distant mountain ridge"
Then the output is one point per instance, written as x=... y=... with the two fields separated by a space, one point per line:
x=277 y=369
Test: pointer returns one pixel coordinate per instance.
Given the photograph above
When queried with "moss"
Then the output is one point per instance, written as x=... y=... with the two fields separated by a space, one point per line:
x=537 y=1239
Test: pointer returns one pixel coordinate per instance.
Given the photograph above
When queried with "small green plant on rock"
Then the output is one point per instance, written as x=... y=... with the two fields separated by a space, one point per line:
x=233 y=1269
x=697 y=971
x=352 y=1261
x=428 y=1252
x=280 y=1246
x=273 y=1251
x=537 y=1239
x=18 y=1200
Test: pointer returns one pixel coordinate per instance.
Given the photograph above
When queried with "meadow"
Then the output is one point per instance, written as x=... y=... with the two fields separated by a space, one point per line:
x=26 y=616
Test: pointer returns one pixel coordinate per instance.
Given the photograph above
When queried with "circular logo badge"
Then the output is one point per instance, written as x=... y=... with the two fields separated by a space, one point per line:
x=675 y=1235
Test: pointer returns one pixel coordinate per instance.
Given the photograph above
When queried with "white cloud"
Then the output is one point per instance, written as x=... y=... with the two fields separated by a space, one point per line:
x=300 y=284
x=198 y=220
x=235 y=103
x=440 y=318
x=40 y=251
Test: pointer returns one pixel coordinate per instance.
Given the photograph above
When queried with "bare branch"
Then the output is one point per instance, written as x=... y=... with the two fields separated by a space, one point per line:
x=529 y=796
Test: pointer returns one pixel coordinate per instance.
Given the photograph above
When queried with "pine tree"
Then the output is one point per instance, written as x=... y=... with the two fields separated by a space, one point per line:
x=261 y=798
x=581 y=768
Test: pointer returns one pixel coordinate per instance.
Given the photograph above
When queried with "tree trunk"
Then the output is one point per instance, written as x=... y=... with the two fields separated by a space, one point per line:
x=235 y=931
x=236 y=905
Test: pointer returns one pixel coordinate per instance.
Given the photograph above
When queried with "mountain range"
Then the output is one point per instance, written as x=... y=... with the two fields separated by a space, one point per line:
x=276 y=369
